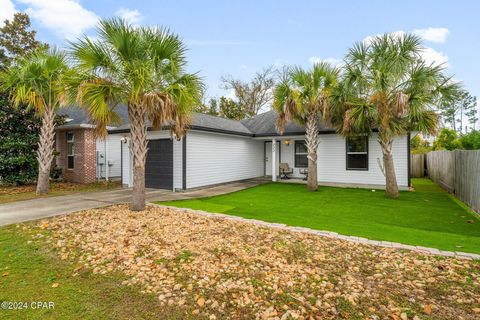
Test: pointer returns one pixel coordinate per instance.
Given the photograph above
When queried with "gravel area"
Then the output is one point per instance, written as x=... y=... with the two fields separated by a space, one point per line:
x=218 y=268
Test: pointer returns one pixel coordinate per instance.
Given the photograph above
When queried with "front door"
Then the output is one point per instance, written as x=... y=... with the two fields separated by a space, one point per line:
x=268 y=157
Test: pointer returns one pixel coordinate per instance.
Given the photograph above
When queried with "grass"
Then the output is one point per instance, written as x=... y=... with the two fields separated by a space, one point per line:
x=29 y=271
x=18 y=193
x=429 y=216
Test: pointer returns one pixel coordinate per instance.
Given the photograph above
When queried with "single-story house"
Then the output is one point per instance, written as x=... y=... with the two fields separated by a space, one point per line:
x=218 y=150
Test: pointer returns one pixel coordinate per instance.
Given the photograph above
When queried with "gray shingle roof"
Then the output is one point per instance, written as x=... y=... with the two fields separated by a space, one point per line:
x=264 y=125
x=199 y=120
x=260 y=125
x=79 y=116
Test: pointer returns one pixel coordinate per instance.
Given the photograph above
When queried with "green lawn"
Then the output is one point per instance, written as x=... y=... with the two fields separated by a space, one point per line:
x=427 y=217
x=30 y=271
x=27 y=192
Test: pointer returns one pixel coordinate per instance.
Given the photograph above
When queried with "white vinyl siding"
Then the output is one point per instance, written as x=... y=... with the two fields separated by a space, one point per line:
x=177 y=164
x=219 y=158
x=110 y=146
x=214 y=158
x=332 y=161
x=127 y=176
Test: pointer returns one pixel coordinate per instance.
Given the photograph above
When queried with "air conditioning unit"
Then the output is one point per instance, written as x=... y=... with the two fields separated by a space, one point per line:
x=100 y=158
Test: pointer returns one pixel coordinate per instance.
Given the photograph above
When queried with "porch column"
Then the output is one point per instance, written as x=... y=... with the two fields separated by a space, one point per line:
x=274 y=160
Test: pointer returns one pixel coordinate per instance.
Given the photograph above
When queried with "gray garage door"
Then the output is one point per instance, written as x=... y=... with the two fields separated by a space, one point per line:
x=159 y=164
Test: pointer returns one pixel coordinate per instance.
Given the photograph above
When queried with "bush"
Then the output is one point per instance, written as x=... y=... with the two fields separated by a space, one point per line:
x=419 y=146
x=19 y=131
x=470 y=141
x=447 y=140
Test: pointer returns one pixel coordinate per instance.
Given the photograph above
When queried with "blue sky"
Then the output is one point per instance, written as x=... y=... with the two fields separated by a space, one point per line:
x=241 y=37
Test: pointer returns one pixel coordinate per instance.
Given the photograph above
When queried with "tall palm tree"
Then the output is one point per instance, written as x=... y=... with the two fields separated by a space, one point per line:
x=142 y=68
x=303 y=96
x=37 y=80
x=386 y=85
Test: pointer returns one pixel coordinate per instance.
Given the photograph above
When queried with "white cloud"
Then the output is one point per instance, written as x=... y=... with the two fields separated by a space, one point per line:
x=131 y=16
x=433 y=56
x=332 y=61
x=395 y=34
x=66 y=18
x=7 y=11
x=430 y=55
x=438 y=35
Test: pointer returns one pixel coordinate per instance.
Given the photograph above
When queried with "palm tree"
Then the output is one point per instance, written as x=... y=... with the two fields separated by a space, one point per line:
x=387 y=86
x=142 y=68
x=37 y=81
x=303 y=96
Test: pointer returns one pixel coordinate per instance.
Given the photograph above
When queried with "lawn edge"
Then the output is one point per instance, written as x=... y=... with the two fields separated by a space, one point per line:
x=330 y=234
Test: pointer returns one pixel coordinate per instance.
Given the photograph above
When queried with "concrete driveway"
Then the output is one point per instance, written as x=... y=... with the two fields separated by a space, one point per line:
x=20 y=211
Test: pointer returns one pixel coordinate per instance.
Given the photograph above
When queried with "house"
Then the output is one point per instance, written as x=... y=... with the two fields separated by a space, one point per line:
x=218 y=150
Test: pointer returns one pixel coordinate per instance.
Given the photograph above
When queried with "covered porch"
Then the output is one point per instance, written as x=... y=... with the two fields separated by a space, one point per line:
x=285 y=158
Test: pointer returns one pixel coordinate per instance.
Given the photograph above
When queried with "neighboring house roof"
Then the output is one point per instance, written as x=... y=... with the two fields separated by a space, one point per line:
x=260 y=125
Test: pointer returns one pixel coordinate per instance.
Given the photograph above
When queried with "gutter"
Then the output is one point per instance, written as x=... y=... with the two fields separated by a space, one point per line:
x=80 y=126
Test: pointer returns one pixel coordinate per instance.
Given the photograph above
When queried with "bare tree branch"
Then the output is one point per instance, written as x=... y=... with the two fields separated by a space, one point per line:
x=255 y=94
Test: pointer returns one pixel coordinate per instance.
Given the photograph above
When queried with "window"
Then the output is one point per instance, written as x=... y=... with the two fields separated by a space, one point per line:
x=301 y=153
x=70 y=150
x=357 y=153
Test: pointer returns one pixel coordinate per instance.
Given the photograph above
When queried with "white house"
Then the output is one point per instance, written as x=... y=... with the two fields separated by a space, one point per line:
x=217 y=150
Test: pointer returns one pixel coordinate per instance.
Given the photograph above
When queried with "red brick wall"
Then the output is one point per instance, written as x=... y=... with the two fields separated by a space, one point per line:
x=84 y=150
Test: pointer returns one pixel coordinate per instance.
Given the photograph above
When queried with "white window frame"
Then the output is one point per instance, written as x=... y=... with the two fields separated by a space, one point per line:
x=347 y=153
x=72 y=154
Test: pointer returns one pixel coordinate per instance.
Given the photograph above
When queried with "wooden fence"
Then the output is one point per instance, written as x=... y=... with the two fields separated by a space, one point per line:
x=457 y=171
x=417 y=165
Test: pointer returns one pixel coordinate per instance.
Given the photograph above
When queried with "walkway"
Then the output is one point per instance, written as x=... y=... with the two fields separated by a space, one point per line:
x=21 y=211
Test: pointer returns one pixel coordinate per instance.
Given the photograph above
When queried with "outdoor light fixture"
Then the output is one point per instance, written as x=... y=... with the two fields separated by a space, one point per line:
x=287 y=142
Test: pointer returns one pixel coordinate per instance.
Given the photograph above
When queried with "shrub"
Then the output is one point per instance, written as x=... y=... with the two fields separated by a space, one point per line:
x=471 y=140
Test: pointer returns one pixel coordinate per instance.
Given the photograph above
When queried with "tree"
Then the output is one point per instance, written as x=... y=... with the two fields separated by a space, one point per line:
x=303 y=96
x=16 y=39
x=211 y=108
x=18 y=140
x=223 y=107
x=231 y=109
x=254 y=95
x=470 y=107
x=19 y=128
x=448 y=112
x=142 y=68
x=460 y=108
x=388 y=87
x=37 y=81
x=446 y=140
x=418 y=145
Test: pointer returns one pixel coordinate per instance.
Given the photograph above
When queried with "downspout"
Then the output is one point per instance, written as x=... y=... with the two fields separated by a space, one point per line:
x=408 y=161
x=106 y=158
x=184 y=162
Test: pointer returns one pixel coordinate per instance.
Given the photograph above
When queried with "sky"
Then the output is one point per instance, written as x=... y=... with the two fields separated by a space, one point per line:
x=241 y=37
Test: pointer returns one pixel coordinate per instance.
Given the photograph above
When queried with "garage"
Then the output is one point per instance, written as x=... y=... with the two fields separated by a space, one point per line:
x=159 y=164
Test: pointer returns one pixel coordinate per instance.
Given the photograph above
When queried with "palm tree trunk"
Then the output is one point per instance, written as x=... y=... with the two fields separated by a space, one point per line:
x=45 y=150
x=311 y=132
x=390 y=177
x=138 y=131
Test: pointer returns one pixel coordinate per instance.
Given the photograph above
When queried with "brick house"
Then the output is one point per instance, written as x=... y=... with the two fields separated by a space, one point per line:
x=76 y=149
